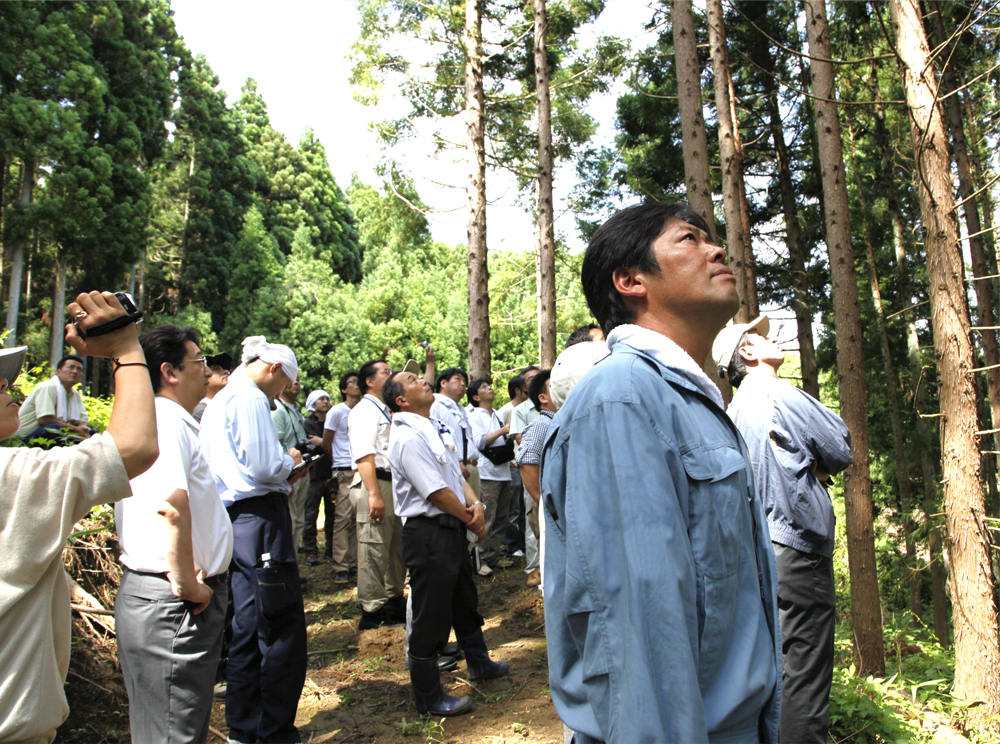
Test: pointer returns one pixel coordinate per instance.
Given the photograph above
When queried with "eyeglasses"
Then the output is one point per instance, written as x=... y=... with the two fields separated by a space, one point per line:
x=202 y=361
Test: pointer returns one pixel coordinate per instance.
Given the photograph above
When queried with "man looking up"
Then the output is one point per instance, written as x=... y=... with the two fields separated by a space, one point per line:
x=290 y=425
x=218 y=367
x=318 y=405
x=55 y=404
x=42 y=495
x=529 y=458
x=177 y=542
x=451 y=386
x=523 y=415
x=339 y=522
x=380 y=558
x=660 y=590
x=267 y=654
x=438 y=506
x=487 y=431
x=795 y=444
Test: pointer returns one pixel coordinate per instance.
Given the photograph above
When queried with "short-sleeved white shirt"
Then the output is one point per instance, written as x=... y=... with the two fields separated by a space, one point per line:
x=416 y=473
x=336 y=421
x=457 y=419
x=182 y=464
x=484 y=424
x=368 y=429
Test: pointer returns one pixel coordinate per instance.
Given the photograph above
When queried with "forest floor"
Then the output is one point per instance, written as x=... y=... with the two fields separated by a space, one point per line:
x=357 y=688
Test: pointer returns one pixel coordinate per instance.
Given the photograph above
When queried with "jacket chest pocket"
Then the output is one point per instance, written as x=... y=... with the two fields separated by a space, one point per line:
x=717 y=510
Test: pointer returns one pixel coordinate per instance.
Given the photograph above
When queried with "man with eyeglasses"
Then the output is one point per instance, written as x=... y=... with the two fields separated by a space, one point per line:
x=381 y=571
x=177 y=542
x=55 y=405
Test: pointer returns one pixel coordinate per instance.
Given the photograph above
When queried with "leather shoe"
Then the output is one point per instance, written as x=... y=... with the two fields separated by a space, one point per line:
x=534 y=578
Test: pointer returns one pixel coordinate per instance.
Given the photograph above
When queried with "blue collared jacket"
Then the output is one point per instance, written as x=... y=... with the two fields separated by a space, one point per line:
x=660 y=579
x=788 y=432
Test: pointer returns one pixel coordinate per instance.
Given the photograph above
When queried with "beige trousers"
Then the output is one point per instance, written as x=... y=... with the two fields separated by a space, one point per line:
x=344 y=543
x=381 y=572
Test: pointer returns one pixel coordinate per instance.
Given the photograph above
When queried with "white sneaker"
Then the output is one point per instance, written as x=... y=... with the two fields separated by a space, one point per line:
x=517 y=554
x=484 y=570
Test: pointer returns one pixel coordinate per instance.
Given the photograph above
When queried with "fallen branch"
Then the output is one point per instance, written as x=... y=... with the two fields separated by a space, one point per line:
x=91 y=682
x=91 y=610
x=216 y=732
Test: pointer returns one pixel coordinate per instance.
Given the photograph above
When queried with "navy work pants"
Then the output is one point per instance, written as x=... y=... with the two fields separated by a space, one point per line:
x=267 y=655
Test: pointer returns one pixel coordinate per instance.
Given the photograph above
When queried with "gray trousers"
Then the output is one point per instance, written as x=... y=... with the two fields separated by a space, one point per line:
x=381 y=573
x=169 y=657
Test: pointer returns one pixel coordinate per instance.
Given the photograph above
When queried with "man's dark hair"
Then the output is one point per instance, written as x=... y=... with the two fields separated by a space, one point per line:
x=514 y=385
x=166 y=344
x=474 y=389
x=737 y=366
x=391 y=390
x=343 y=382
x=537 y=388
x=367 y=370
x=626 y=242
x=69 y=358
x=580 y=335
x=446 y=375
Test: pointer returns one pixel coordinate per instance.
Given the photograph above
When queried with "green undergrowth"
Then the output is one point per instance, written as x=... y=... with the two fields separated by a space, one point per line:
x=912 y=702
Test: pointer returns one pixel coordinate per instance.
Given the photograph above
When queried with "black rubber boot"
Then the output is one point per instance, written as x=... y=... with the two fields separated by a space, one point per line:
x=371 y=620
x=451 y=649
x=445 y=663
x=425 y=678
x=477 y=658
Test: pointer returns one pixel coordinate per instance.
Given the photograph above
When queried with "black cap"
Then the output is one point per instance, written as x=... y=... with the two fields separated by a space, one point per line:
x=224 y=360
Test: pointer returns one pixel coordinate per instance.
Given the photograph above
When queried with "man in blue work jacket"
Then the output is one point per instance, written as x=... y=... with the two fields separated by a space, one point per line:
x=795 y=444
x=660 y=583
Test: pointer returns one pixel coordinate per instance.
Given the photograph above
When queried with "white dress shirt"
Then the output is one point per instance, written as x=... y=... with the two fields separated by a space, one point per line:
x=417 y=470
x=457 y=418
x=242 y=444
x=368 y=429
x=182 y=464
x=484 y=424
x=336 y=421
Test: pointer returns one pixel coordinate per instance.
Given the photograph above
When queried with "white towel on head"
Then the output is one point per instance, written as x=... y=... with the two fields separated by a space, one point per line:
x=313 y=397
x=258 y=347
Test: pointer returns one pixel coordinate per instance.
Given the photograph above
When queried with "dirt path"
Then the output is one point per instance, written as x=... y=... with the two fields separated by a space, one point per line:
x=357 y=689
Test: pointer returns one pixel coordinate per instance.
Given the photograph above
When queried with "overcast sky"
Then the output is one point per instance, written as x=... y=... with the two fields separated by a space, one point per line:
x=297 y=52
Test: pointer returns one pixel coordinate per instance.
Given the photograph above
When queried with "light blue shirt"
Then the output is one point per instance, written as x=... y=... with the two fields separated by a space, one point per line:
x=660 y=579
x=242 y=443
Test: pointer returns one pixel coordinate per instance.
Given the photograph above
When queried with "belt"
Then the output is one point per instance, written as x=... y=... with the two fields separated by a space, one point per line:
x=443 y=520
x=383 y=475
x=216 y=580
x=346 y=467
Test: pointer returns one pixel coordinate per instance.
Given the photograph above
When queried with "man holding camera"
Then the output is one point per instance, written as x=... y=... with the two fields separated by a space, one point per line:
x=42 y=495
x=490 y=437
x=267 y=655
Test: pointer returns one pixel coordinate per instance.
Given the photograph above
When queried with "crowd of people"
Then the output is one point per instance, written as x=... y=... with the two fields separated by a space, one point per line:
x=684 y=550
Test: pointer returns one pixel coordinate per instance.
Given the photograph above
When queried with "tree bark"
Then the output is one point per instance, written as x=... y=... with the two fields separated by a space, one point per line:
x=977 y=658
x=866 y=607
x=697 y=177
x=478 y=269
x=925 y=434
x=17 y=255
x=892 y=397
x=546 y=266
x=731 y=152
x=58 y=336
x=970 y=208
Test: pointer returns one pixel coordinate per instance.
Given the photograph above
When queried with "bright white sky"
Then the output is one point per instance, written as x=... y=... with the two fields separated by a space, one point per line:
x=297 y=52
